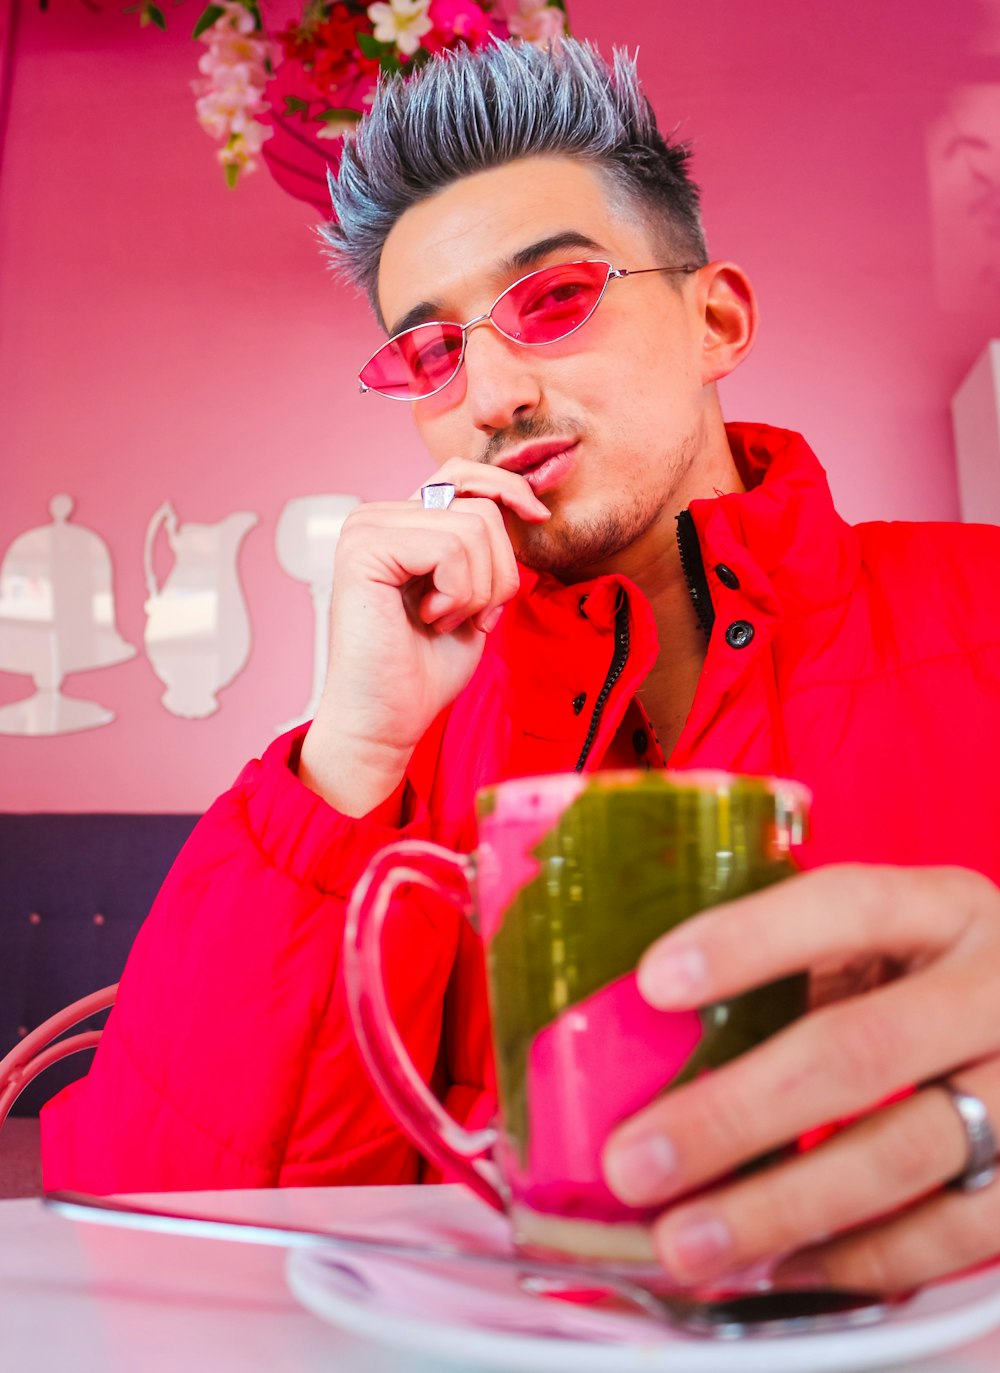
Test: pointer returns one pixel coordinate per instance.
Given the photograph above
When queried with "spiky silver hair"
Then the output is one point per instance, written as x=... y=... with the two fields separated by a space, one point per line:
x=472 y=109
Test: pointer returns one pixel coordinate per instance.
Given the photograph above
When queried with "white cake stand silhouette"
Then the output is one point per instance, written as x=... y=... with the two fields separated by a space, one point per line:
x=57 y=616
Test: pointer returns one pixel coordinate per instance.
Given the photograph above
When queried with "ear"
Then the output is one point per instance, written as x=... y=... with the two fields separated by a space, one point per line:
x=728 y=317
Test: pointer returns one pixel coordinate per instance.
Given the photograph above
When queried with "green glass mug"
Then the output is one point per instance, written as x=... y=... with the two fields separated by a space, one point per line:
x=572 y=879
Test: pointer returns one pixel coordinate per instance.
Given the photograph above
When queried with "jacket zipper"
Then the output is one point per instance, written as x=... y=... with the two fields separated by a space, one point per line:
x=694 y=571
x=618 y=660
x=701 y=599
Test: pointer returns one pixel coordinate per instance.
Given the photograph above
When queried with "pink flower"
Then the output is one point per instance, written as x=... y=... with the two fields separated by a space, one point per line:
x=243 y=146
x=534 y=21
x=459 y=21
x=231 y=92
x=235 y=17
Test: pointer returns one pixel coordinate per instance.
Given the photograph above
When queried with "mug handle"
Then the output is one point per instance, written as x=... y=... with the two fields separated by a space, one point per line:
x=437 y=1135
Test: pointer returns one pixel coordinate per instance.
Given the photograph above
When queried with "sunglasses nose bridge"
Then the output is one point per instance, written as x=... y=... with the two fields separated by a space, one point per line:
x=475 y=322
x=460 y=359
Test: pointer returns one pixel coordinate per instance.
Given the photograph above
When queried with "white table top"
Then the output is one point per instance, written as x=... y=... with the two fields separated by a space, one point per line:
x=78 y=1298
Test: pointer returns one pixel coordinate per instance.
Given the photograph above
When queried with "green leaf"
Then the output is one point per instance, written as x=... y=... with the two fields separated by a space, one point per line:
x=328 y=116
x=370 y=46
x=157 y=17
x=208 y=18
x=294 y=104
x=232 y=172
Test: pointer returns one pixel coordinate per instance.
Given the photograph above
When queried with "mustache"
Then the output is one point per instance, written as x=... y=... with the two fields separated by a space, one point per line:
x=524 y=430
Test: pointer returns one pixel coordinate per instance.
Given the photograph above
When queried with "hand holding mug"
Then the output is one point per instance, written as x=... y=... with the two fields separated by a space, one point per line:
x=870 y=1205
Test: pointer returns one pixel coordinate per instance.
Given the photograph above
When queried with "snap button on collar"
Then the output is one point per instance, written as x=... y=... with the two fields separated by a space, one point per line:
x=739 y=634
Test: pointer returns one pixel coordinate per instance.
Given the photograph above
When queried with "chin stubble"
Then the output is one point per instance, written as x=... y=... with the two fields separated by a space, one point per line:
x=569 y=547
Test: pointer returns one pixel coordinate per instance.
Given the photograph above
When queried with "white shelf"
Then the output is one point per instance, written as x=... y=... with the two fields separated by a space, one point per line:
x=975 y=414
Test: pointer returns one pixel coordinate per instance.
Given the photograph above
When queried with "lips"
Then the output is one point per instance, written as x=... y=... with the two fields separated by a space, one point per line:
x=542 y=465
x=533 y=455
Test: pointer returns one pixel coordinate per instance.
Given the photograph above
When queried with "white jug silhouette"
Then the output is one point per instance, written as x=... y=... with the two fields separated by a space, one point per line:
x=197 y=623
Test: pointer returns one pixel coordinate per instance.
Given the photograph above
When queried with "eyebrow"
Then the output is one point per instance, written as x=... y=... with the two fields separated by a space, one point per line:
x=519 y=262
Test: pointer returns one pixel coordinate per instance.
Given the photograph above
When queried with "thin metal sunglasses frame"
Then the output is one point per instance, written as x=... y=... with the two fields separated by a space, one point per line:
x=614 y=274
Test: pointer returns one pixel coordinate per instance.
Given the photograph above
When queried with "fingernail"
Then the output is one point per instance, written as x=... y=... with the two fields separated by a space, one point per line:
x=490 y=620
x=697 y=1246
x=638 y=1170
x=673 y=977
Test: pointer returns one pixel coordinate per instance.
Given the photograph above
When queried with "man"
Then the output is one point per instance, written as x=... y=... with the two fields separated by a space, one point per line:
x=686 y=593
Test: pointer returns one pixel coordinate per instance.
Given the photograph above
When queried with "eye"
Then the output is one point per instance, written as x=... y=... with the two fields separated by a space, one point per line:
x=558 y=295
x=429 y=351
x=548 y=304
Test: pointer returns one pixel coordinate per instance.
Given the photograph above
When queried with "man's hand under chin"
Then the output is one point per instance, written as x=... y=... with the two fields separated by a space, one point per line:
x=870 y=1206
x=414 y=593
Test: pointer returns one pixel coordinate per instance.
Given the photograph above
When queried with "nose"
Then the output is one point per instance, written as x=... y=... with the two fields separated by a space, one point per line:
x=501 y=383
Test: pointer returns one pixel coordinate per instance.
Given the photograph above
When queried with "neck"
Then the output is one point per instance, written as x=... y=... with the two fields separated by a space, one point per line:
x=669 y=689
x=656 y=568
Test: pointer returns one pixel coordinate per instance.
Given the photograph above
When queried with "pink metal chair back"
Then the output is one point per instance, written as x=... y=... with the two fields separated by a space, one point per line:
x=36 y=1051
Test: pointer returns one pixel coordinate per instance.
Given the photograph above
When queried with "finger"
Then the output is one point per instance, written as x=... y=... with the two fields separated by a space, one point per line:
x=492 y=483
x=834 y=913
x=396 y=543
x=506 y=579
x=480 y=525
x=402 y=554
x=476 y=520
x=945 y=1235
x=833 y=1064
x=462 y=577
x=887 y=1163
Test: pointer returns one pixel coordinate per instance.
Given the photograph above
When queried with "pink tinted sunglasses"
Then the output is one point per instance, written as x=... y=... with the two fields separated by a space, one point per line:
x=542 y=307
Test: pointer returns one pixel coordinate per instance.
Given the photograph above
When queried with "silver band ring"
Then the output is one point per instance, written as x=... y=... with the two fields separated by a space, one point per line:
x=437 y=495
x=981 y=1160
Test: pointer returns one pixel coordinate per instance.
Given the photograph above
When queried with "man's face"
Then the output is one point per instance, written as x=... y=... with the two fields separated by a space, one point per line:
x=607 y=424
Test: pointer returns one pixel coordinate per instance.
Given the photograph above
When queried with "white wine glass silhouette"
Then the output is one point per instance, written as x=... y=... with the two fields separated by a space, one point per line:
x=305 y=541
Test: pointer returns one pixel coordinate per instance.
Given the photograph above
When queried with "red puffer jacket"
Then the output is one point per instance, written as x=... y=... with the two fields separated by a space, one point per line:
x=863 y=661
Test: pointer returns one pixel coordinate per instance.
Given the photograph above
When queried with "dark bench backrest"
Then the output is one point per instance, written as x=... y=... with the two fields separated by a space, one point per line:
x=74 y=890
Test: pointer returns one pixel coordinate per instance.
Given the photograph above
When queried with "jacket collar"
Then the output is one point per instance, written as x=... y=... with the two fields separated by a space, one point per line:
x=782 y=537
x=551 y=651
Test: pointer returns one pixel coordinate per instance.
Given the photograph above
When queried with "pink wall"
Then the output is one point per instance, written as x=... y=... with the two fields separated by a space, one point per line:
x=161 y=337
